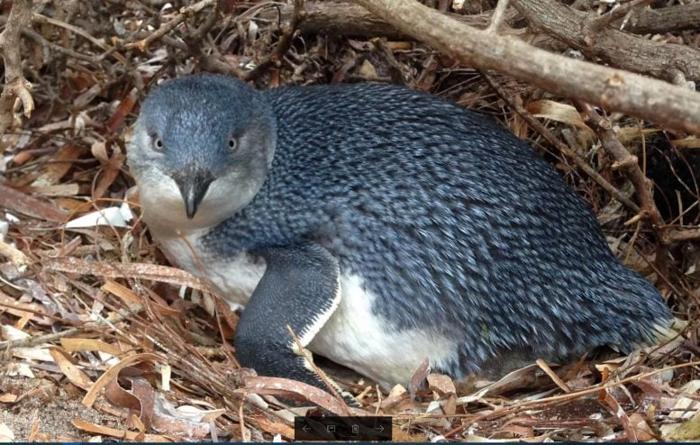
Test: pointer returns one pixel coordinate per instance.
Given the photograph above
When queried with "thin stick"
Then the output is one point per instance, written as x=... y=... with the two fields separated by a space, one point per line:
x=283 y=44
x=630 y=165
x=563 y=148
x=497 y=18
x=183 y=14
x=617 y=13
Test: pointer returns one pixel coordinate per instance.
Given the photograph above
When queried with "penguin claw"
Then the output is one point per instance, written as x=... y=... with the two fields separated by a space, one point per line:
x=350 y=400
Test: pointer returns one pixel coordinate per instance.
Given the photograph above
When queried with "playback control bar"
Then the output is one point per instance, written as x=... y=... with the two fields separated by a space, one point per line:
x=330 y=428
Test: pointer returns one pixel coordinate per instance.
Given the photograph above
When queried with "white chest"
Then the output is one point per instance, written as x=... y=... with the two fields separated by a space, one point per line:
x=234 y=278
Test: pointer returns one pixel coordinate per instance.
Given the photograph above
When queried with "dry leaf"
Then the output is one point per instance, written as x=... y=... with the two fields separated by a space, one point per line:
x=88 y=344
x=292 y=388
x=54 y=171
x=17 y=201
x=142 y=271
x=6 y=434
x=8 y=398
x=72 y=372
x=139 y=398
x=124 y=293
x=639 y=424
x=418 y=377
x=688 y=142
x=687 y=431
x=36 y=353
x=185 y=420
x=112 y=373
x=110 y=216
x=113 y=432
x=273 y=427
x=559 y=112
x=620 y=413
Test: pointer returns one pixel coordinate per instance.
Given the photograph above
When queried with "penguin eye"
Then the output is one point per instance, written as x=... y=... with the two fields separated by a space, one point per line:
x=157 y=143
x=233 y=144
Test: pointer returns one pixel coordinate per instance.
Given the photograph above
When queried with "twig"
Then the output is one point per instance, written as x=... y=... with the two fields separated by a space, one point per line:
x=182 y=14
x=668 y=105
x=16 y=86
x=301 y=351
x=617 y=13
x=40 y=339
x=42 y=19
x=46 y=338
x=630 y=165
x=683 y=235
x=283 y=44
x=533 y=404
x=553 y=375
x=38 y=18
x=563 y=148
x=497 y=17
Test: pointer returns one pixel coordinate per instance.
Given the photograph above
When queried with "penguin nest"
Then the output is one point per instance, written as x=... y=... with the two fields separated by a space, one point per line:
x=100 y=337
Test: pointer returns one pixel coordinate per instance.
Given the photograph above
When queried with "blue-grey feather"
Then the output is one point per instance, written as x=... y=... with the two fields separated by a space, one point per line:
x=452 y=222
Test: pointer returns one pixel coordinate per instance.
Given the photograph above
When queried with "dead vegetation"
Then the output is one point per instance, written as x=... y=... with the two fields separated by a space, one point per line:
x=101 y=338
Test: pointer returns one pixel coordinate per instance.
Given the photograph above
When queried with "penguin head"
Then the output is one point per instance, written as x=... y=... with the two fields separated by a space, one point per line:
x=201 y=149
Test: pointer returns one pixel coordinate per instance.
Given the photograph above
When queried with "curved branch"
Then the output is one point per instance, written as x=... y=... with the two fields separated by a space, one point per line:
x=656 y=101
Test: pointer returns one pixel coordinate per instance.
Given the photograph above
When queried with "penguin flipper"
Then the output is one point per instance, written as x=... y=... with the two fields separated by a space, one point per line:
x=299 y=290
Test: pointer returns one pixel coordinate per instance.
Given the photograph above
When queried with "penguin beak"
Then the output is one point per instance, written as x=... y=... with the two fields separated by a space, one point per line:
x=193 y=185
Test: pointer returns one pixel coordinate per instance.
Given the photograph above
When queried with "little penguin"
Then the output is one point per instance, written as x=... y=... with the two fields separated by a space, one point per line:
x=383 y=227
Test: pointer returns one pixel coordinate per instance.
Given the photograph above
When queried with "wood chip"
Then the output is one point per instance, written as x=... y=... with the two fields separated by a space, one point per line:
x=441 y=383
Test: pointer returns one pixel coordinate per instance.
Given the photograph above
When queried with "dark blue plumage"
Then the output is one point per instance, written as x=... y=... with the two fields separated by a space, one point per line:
x=456 y=226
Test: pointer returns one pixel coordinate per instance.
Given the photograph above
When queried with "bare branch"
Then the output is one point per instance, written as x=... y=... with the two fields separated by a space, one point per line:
x=283 y=44
x=617 y=13
x=16 y=86
x=684 y=235
x=668 y=105
x=630 y=166
x=619 y=49
x=662 y=20
x=347 y=19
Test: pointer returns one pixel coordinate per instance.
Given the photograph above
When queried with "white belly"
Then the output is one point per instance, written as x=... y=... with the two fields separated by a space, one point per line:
x=360 y=339
x=354 y=336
